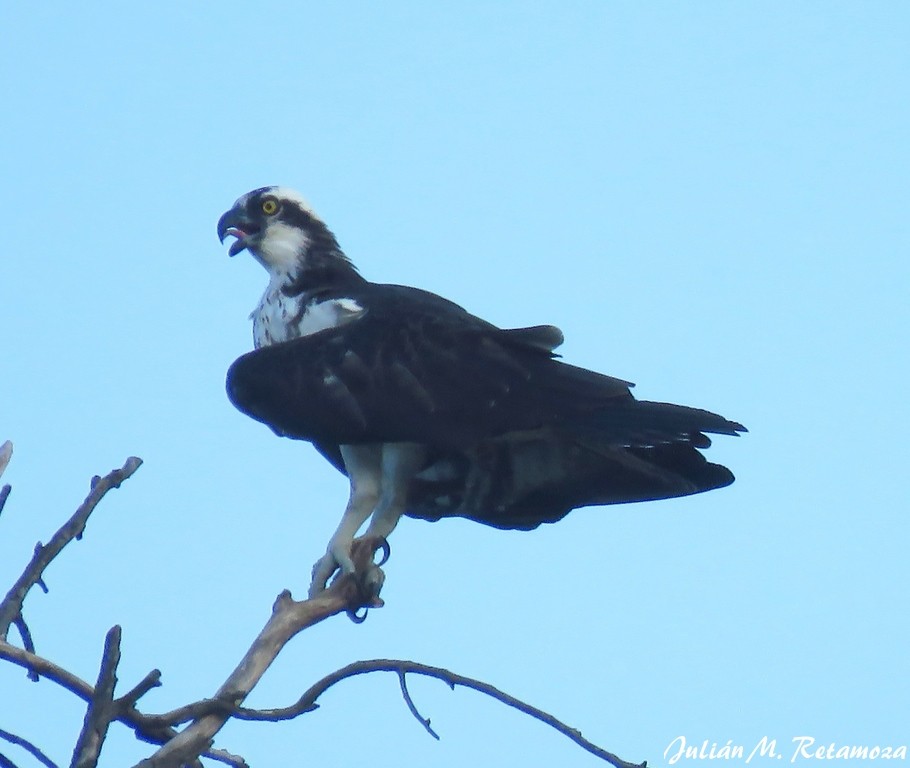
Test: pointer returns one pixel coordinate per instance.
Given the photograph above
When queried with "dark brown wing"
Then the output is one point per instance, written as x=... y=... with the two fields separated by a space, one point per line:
x=414 y=370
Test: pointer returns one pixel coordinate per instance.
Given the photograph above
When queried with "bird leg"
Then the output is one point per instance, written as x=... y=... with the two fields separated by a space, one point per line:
x=363 y=465
x=400 y=463
x=380 y=478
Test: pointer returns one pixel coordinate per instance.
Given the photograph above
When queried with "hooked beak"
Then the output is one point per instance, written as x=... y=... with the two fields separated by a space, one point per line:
x=236 y=224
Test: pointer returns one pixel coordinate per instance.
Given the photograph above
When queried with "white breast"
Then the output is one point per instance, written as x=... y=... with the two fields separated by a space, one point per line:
x=280 y=318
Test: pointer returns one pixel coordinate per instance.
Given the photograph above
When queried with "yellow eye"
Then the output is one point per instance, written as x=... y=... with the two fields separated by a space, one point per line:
x=270 y=206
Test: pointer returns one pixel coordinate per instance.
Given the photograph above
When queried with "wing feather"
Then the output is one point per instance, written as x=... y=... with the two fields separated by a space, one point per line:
x=374 y=381
x=416 y=376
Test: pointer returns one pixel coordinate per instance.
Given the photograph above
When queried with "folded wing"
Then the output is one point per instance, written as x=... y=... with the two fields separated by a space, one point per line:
x=516 y=437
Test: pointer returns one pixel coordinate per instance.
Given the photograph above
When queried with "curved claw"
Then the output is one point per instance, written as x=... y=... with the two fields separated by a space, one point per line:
x=370 y=583
x=386 y=552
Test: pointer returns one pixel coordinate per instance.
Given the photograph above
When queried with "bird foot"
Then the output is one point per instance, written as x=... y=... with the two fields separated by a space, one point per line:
x=360 y=564
x=330 y=563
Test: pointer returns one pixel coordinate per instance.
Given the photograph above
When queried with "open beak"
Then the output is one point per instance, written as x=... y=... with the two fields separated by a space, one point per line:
x=236 y=224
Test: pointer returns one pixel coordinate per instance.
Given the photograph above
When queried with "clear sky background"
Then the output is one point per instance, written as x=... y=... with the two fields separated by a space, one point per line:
x=710 y=199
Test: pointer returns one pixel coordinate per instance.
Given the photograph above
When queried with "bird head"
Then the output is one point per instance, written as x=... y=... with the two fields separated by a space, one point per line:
x=275 y=224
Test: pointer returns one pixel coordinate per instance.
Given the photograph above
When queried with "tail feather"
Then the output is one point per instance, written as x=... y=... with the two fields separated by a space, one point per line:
x=536 y=478
x=641 y=423
x=597 y=446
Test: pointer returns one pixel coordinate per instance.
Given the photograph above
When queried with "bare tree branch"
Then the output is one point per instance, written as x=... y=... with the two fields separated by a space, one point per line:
x=11 y=607
x=193 y=711
x=307 y=702
x=28 y=747
x=101 y=709
x=220 y=707
x=349 y=593
x=41 y=666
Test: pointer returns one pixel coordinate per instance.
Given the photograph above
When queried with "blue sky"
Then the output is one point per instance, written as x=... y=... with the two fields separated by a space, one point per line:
x=709 y=199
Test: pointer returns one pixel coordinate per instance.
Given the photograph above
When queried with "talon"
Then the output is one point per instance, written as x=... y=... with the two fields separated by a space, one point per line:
x=386 y=551
x=370 y=582
x=323 y=569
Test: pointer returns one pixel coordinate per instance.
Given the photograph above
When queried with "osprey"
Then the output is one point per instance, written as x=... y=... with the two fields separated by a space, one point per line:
x=432 y=412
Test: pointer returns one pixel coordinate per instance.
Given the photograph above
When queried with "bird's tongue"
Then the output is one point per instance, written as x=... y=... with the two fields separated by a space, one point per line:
x=239 y=244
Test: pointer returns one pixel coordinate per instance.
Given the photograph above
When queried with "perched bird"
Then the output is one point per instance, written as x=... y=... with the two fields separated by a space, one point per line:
x=432 y=412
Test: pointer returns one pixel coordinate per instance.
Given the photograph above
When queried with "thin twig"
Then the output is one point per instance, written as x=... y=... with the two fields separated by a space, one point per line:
x=12 y=738
x=223 y=756
x=101 y=709
x=11 y=607
x=27 y=643
x=129 y=699
x=424 y=721
x=5 y=762
x=6 y=453
x=25 y=634
x=276 y=715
